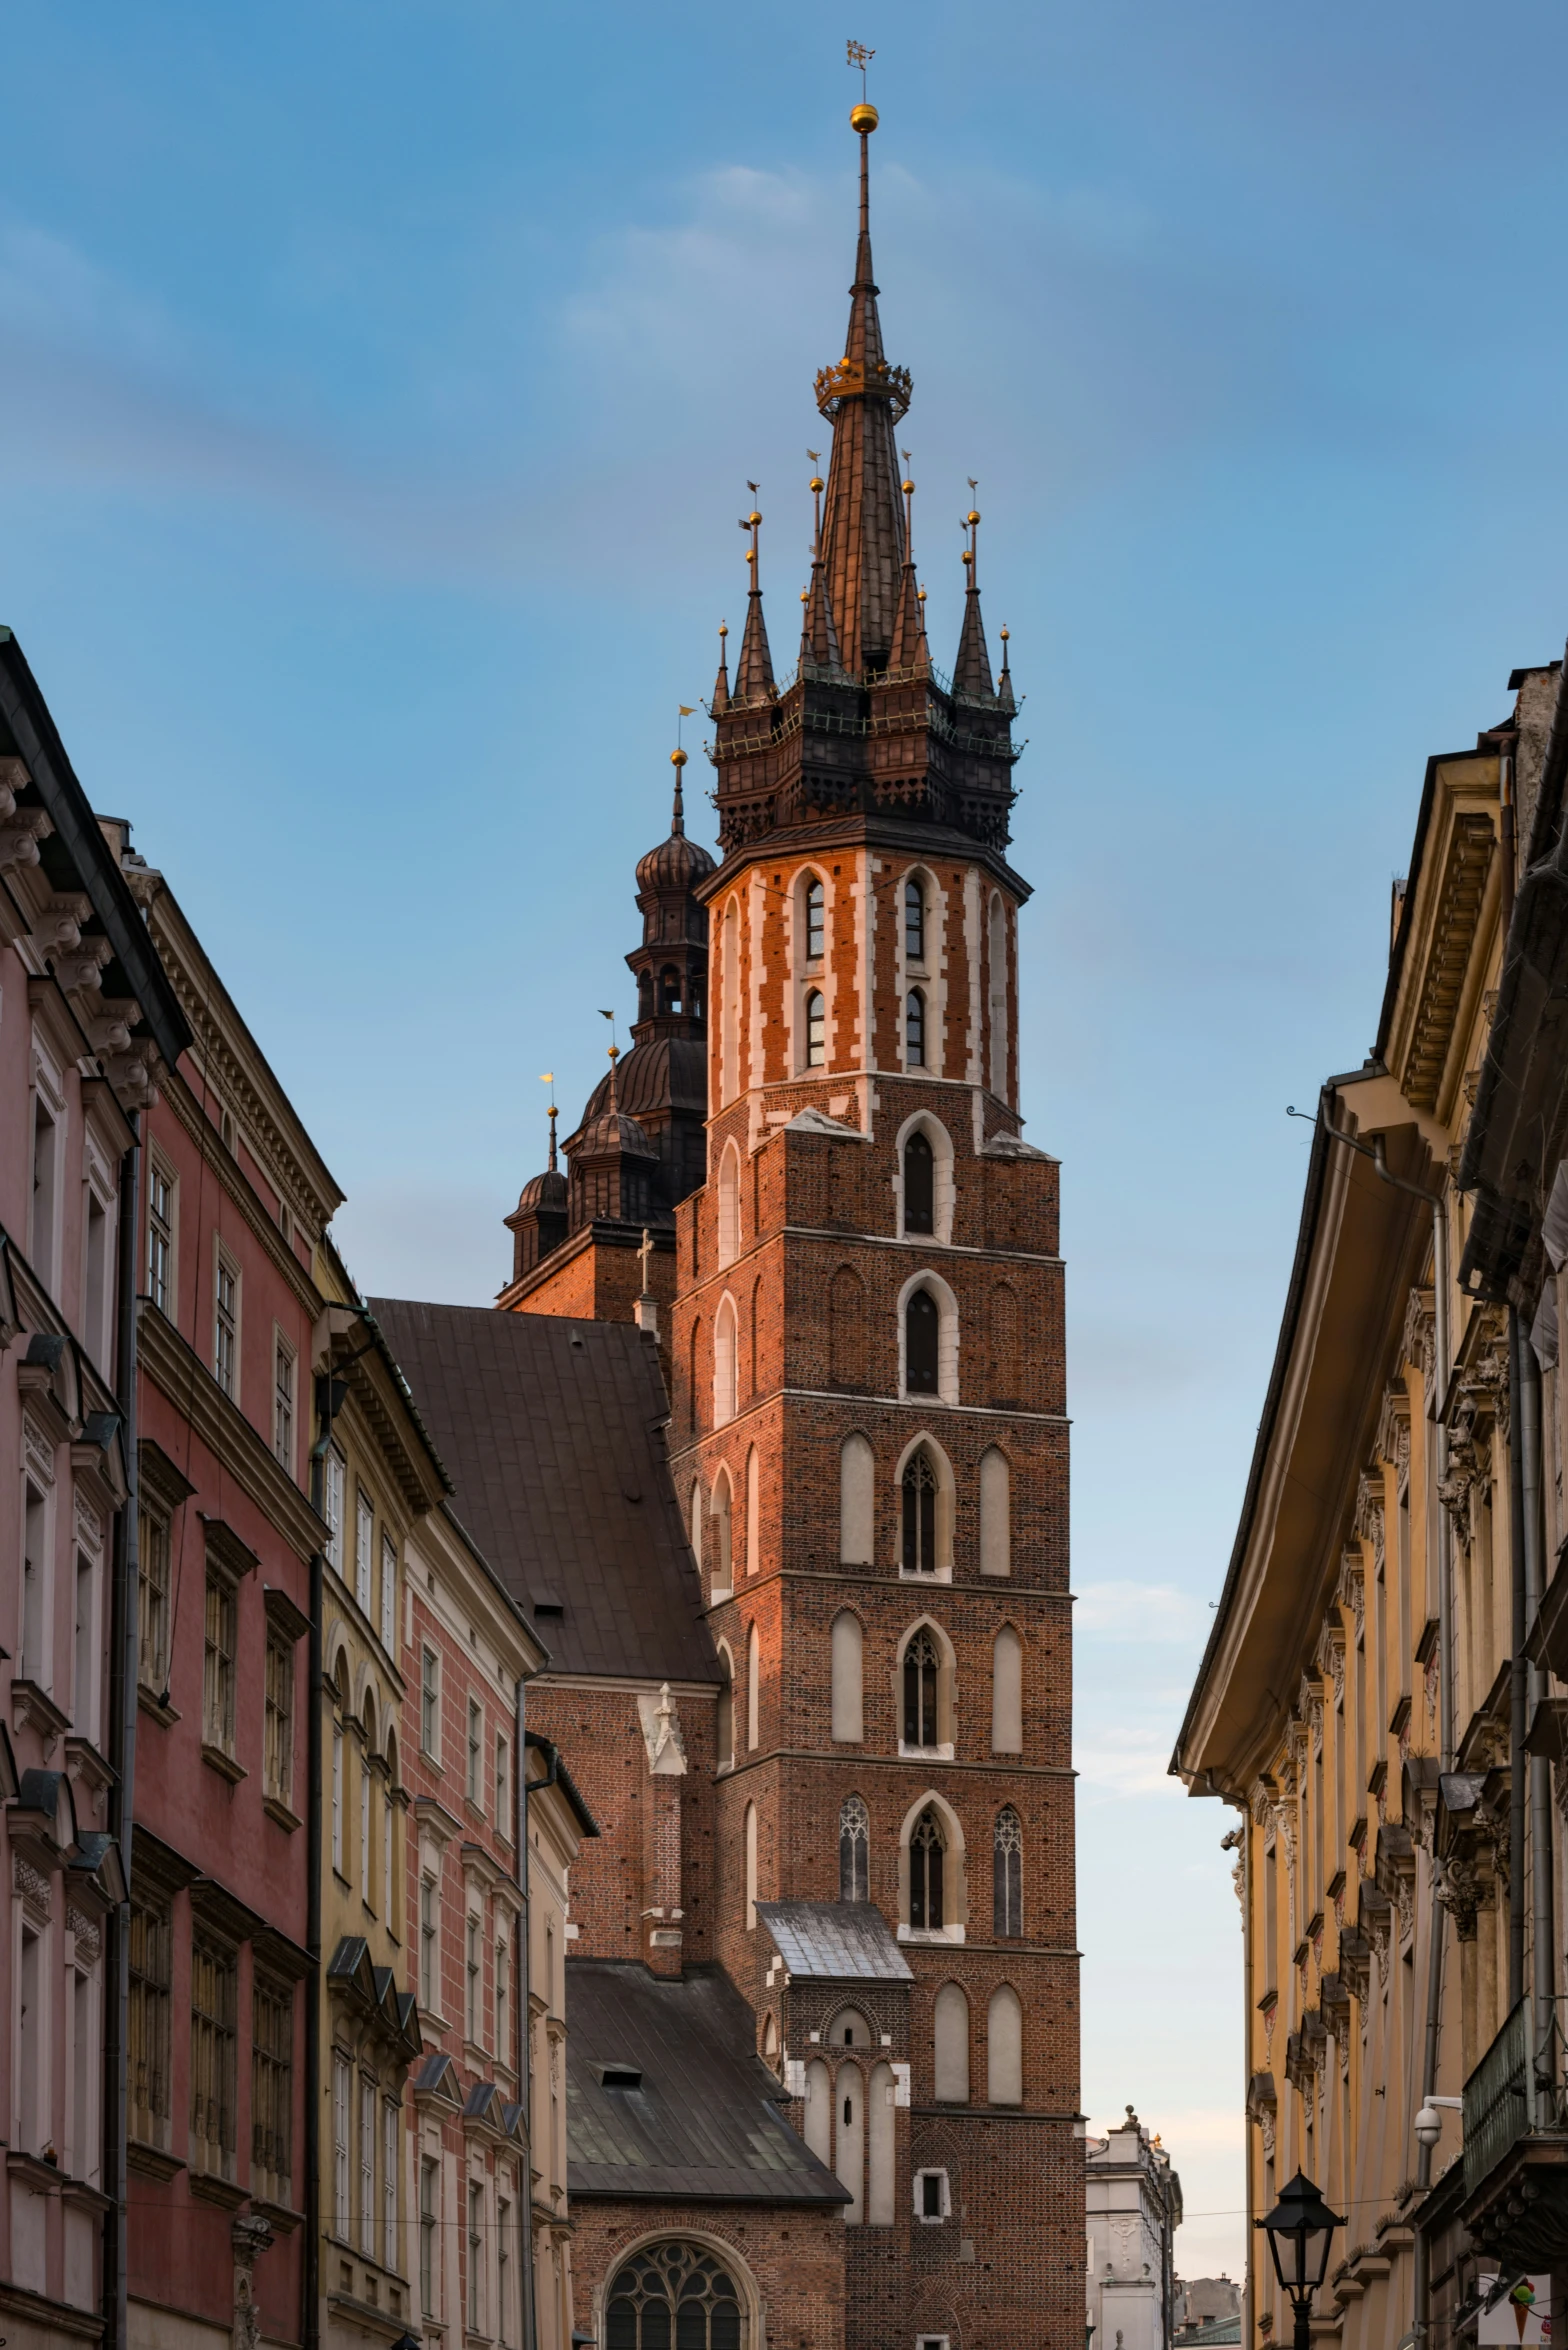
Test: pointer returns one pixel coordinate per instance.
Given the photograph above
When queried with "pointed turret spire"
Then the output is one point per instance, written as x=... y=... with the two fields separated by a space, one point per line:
x=1004 y=684
x=907 y=650
x=818 y=636
x=721 y=684
x=972 y=669
x=554 y=1114
x=863 y=398
x=678 y=813
x=754 y=670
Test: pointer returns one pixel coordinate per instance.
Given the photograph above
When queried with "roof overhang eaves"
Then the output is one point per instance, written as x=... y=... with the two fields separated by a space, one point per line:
x=927 y=841
x=1359 y=1246
x=70 y=812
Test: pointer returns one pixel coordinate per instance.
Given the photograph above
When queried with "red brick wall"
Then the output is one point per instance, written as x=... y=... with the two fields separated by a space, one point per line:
x=796 y=2258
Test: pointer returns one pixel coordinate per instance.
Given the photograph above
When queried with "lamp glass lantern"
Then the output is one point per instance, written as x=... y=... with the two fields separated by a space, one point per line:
x=1300 y=2229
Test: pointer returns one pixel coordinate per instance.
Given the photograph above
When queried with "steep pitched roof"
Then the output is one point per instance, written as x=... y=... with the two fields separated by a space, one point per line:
x=552 y=1431
x=699 y=2116
x=835 y=1941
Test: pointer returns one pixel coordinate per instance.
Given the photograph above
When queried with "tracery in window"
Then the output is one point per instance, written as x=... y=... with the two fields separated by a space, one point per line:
x=919 y=1184
x=816 y=1030
x=854 y=1850
x=920 y=1687
x=918 y=1498
x=927 y=1851
x=815 y=923
x=914 y=922
x=1007 y=1882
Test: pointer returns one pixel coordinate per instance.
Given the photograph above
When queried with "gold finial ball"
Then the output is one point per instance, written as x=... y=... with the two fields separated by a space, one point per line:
x=908 y=488
x=753 y=518
x=971 y=517
x=805 y=595
x=677 y=758
x=921 y=594
x=863 y=117
x=815 y=482
x=1006 y=633
x=967 y=556
x=751 y=554
x=724 y=628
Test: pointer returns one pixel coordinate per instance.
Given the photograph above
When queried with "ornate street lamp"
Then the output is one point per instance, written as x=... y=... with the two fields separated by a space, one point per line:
x=1299 y=2229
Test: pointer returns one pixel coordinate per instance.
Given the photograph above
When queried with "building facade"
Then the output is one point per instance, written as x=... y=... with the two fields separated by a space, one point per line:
x=1132 y=2209
x=88 y=1027
x=1376 y=1701
x=234 y=1199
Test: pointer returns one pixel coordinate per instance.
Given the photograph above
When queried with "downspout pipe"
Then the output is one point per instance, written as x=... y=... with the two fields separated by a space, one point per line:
x=1541 y=1890
x=526 y=2019
x=124 y=1674
x=1518 y=1671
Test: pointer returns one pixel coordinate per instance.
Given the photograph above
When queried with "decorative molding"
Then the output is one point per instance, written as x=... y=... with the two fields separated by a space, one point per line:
x=184 y=1378
x=33 y=1889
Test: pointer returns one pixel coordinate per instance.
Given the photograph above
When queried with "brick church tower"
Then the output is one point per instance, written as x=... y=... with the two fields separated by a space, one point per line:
x=868 y=1433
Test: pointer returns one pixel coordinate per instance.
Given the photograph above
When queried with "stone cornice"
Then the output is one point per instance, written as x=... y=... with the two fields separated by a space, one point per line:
x=180 y=1374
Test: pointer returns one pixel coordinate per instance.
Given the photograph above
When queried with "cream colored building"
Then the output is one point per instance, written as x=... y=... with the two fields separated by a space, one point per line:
x=1359 y=1705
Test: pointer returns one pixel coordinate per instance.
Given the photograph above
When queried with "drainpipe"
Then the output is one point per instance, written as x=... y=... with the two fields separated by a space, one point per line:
x=1541 y=1937
x=1518 y=1720
x=124 y=1633
x=524 y=1973
x=552 y=1773
x=1445 y=1702
x=310 y=2266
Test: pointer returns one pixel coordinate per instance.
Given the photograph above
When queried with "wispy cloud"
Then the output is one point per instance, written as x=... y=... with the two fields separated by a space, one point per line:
x=1154 y=1613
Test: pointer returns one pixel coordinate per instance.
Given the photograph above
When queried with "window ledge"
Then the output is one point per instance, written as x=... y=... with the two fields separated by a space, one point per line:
x=925 y=1574
x=33 y=2168
x=154 y=2162
x=942 y=1753
x=276 y=1809
x=151 y=1703
x=212 y=2187
x=951 y=1935
x=224 y=1764
x=284 y=2219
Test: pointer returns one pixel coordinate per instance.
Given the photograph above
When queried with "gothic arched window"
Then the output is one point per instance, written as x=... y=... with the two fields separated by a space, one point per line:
x=920 y=1681
x=919 y=1502
x=922 y=1331
x=814 y=922
x=816 y=1030
x=673 y=2294
x=914 y=922
x=1007 y=1879
x=915 y=1030
x=854 y=1850
x=926 y=1850
x=919 y=1184
x=669 y=990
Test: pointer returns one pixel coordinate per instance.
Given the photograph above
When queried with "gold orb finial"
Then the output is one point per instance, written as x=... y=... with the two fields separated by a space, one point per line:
x=908 y=488
x=815 y=482
x=751 y=554
x=971 y=517
x=1006 y=633
x=863 y=117
x=677 y=758
x=752 y=519
x=724 y=628
x=968 y=556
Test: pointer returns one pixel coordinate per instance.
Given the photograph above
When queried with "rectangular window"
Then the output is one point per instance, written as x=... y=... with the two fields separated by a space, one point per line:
x=214 y=2042
x=95 y=1281
x=476 y=2255
x=34 y=1627
x=32 y=2025
x=389 y=2185
x=364 y=1548
x=429 y=2191
x=340 y=2127
x=388 y=1881
x=283 y=1406
x=278 y=1759
x=389 y=1595
x=226 y=1326
x=476 y=1728
x=82 y=2160
x=147 y=2022
x=430 y=1703
x=503 y=1787
x=365 y=1886
x=503 y=2040
x=472 y=1983
x=152 y=1591
x=218 y=1663
x=428 y=1933
x=160 y=1238
x=337 y=1798
x=84 y=1697
x=367 y=2169
x=333 y=1486
x=503 y=2267
x=46 y=1192
x=271 y=2092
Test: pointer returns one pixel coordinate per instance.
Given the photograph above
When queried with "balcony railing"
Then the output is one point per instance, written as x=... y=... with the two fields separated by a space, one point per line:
x=1499 y=2099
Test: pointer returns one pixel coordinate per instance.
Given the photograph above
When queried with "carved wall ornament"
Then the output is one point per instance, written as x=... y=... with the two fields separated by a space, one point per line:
x=89 y=1942
x=37 y=1452
x=1331 y=1656
x=1369 y=1515
x=1352 y=1586
x=32 y=1887
x=1418 y=1343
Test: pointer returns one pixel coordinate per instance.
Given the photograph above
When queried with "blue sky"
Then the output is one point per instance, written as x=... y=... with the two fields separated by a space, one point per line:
x=379 y=388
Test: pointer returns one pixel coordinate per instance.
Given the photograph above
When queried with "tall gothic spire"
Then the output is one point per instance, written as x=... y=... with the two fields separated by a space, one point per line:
x=721 y=684
x=863 y=398
x=907 y=650
x=972 y=669
x=818 y=636
x=754 y=669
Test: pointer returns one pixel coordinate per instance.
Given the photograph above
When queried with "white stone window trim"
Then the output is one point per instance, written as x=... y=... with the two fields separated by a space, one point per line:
x=944 y=1178
x=947 y=1337
x=932 y=2219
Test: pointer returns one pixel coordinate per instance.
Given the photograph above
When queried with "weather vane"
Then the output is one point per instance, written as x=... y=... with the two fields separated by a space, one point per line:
x=859 y=54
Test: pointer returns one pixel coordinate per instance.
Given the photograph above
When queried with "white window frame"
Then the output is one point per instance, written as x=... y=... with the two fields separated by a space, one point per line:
x=341 y=2123
x=388 y=1593
x=163 y=1231
x=98 y=1299
x=285 y=1400
x=390 y=2139
x=368 y=2101
x=47 y=1094
x=932 y=2219
x=503 y=1786
x=474 y=1773
x=364 y=1546
x=430 y=1703
x=334 y=1492
x=226 y=1337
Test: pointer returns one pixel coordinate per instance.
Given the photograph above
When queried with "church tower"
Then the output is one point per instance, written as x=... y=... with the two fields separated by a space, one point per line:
x=869 y=1432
